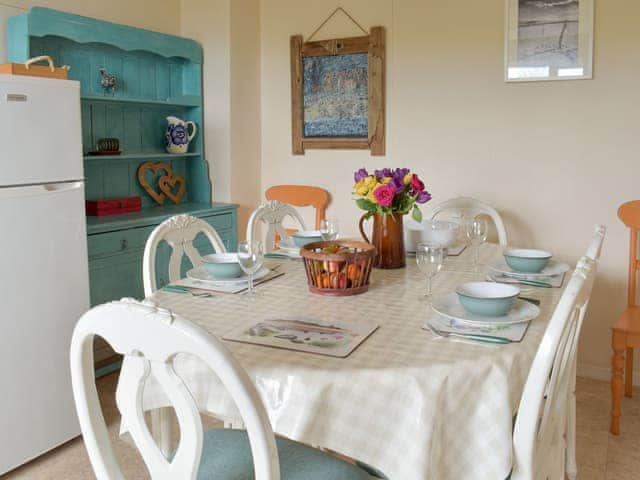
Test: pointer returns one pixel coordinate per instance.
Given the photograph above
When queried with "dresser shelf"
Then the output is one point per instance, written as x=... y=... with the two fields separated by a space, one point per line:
x=154 y=216
x=141 y=156
x=186 y=102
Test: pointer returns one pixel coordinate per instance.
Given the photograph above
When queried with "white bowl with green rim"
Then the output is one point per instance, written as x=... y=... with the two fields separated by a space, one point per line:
x=222 y=265
x=302 y=237
x=487 y=299
x=527 y=260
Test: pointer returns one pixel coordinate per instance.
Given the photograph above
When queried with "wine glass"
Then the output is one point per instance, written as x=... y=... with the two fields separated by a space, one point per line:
x=476 y=230
x=250 y=258
x=429 y=257
x=329 y=229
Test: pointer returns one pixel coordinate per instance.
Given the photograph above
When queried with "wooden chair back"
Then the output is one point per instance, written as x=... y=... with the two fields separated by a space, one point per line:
x=179 y=232
x=467 y=207
x=301 y=196
x=272 y=213
x=150 y=338
x=629 y=214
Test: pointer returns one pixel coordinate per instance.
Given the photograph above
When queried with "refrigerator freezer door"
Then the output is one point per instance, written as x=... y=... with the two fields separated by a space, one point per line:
x=43 y=292
x=40 y=130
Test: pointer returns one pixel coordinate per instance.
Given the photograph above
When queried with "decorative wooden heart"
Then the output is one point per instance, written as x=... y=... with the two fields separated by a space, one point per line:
x=167 y=184
x=158 y=197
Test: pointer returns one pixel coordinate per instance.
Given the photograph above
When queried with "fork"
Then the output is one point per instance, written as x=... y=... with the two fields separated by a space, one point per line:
x=470 y=336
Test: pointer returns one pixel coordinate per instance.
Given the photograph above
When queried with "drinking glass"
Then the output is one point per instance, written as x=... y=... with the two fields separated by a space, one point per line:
x=429 y=258
x=476 y=230
x=329 y=229
x=250 y=258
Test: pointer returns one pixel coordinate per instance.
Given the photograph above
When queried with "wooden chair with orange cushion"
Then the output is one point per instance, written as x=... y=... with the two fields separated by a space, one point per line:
x=626 y=331
x=301 y=196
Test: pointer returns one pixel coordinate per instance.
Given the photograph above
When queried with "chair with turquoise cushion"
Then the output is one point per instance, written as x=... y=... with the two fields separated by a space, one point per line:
x=150 y=337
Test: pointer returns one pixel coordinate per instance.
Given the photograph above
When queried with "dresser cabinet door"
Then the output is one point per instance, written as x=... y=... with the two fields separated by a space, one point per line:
x=115 y=258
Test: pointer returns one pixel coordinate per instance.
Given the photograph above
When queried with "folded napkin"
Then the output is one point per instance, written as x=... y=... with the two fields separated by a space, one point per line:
x=491 y=333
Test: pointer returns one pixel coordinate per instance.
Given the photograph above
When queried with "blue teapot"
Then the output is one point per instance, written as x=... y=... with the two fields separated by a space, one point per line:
x=177 y=137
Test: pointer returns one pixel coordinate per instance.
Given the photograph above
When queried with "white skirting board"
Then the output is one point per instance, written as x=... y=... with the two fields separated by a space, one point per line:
x=603 y=373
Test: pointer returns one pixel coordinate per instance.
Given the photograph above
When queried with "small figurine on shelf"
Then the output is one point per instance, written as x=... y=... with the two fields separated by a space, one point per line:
x=107 y=81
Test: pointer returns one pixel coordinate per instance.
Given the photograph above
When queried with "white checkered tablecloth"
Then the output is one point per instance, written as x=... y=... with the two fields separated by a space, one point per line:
x=410 y=404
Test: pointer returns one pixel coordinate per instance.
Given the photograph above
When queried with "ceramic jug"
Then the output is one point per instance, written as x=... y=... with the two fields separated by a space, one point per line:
x=388 y=239
x=177 y=137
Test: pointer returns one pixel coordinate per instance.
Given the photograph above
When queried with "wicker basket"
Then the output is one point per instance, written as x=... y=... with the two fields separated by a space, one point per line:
x=343 y=272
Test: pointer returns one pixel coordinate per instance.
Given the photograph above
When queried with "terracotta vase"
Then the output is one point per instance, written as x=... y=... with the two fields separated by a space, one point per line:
x=388 y=238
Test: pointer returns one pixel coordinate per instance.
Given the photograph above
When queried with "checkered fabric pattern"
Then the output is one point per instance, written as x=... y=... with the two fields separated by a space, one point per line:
x=412 y=405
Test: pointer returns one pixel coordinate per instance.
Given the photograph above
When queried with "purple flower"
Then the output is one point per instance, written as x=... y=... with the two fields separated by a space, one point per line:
x=398 y=184
x=360 y=175
x=385 y=172
x=401 y=172
x=423 y=197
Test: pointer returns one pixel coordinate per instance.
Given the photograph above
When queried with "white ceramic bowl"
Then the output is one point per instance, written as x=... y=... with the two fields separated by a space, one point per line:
x=488 y=299
x=527 y=260
x=302 y=237
x=222 y=265
x=437 y=232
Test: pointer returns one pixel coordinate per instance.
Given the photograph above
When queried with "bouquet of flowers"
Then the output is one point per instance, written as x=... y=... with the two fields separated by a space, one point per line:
x=389 y=191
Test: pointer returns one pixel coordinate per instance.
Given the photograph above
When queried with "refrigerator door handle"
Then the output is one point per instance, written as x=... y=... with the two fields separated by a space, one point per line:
x=42 y=189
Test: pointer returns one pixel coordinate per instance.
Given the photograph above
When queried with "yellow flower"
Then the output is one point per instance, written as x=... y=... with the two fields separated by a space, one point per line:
x=360 y=188
x=407 y=178
x=370 y=196
x=371 y=182
x=386 y=180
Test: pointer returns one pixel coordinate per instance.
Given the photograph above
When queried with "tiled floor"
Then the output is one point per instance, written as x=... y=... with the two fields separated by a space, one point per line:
x=601 y=456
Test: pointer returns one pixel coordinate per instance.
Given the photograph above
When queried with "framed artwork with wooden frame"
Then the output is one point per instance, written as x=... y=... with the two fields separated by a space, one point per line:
x=338 y=93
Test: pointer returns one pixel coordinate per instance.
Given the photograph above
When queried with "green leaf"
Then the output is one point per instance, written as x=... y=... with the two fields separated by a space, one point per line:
x=416 y=214
x=366 y=205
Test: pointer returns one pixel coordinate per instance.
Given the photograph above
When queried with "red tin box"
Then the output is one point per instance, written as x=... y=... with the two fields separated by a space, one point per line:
x=113 y=206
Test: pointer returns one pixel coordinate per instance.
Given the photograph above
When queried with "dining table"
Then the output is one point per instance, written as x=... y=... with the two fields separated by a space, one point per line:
x=410 y=403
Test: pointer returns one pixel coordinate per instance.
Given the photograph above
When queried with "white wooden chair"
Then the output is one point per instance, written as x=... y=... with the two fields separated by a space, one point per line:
x=466 y=207
x=593 y=253
x=150 y=338
x=272 y=213
x=539 y=444
x=179 y=232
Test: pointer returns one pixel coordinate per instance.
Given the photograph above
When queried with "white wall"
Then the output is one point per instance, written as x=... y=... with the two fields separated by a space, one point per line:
x=553 y=157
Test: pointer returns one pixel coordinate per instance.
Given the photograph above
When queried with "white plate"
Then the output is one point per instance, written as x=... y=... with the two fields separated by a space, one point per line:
x=449 y=306
x=552 y=269
x=202 y=275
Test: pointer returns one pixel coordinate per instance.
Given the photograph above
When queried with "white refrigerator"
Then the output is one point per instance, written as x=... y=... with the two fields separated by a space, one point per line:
x=44 y=285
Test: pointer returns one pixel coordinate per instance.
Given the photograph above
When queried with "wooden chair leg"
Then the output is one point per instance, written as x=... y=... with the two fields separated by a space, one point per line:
x=628 y=374
x=618 y=343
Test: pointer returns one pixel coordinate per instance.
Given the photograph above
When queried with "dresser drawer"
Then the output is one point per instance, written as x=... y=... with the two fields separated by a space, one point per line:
x=122 y=241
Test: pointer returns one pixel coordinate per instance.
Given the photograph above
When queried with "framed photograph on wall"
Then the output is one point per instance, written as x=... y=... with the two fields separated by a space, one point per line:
x=549 y=40
x=337 y=93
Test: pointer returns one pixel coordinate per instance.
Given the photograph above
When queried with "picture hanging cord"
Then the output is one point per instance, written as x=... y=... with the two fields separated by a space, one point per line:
x=339 y=9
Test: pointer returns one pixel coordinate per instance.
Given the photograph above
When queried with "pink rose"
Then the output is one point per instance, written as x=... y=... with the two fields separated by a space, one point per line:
x=416 y=184
x=384 y=195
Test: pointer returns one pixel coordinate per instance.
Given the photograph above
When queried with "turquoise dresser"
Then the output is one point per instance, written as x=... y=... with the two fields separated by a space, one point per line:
x=157 y=75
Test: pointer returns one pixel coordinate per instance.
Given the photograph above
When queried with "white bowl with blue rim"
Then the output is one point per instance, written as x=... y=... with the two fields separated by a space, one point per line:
x=527 y=260
x=487 y=299
x=303 y=237
x=222 y=265
x=437 y=232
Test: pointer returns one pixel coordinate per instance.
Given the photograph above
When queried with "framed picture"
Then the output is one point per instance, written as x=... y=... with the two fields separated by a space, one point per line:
x=549 y=40
x=337 y=93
